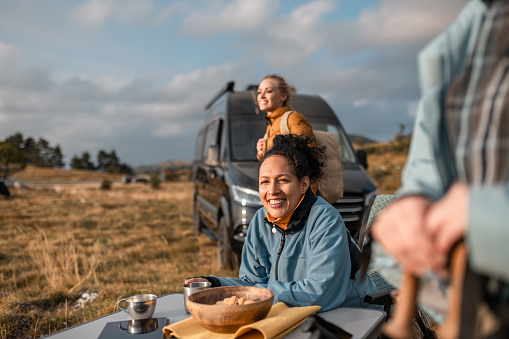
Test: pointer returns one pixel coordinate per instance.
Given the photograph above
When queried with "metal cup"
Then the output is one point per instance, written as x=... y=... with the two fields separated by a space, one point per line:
x=193 y=288
x=141 y=306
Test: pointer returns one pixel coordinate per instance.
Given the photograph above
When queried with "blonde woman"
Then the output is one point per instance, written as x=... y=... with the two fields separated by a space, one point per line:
x=273 y=96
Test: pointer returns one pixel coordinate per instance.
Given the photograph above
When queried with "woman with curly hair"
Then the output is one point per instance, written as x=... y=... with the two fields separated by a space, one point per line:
x=297 y=245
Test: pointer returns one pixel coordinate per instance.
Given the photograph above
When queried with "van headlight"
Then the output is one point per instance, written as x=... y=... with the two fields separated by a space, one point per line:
x=246 y=196
x=370 y=197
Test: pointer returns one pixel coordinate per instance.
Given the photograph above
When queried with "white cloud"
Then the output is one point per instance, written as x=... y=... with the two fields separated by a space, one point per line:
x=403 y=21
x=359 y=103
x=169 y=130
x=292 y=39
x=17 y=75
x=364 y=68
x=412 y=108
x=110 y=84
x=9 y=56
x=173 y=9
x=215 y=17
x=96 y=12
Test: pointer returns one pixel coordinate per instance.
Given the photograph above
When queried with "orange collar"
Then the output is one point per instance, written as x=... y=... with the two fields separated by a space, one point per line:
x=285 y=219
x=278 y=113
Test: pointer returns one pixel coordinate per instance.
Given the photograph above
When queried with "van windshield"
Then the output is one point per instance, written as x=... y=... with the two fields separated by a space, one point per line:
x=347 y=152
x=245 y=132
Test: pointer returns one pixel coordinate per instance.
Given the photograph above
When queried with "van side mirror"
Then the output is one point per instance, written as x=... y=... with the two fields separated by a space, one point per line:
x=363 y=158
x=212 y=156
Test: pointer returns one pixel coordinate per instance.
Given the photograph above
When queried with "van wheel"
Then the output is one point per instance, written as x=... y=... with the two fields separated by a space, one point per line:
x=227 y=258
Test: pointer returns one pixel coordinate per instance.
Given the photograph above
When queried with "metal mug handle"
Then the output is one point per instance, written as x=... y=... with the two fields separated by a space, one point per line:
x=120 y=307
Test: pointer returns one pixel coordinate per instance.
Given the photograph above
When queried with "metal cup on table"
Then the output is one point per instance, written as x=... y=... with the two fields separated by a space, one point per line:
x=139 y=307
x=193 y=287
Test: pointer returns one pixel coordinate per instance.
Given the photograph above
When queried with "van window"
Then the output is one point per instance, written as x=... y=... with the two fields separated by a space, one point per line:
x=198 y=148
x=347 y=152
x=212 y=136
x=245 y=132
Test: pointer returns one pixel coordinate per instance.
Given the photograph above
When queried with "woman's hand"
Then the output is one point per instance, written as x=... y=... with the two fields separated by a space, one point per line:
x=260 y=146
x=190 y=280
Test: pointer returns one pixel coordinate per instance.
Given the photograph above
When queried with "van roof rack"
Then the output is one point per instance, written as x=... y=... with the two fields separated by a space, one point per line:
x=228 y=88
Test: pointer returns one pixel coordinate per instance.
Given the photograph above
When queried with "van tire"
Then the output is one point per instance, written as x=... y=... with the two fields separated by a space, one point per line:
x=227 y=258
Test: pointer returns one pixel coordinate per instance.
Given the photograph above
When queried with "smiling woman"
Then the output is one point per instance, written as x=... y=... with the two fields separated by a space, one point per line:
x=273 y=96
x=297 y=245
x=280 y=190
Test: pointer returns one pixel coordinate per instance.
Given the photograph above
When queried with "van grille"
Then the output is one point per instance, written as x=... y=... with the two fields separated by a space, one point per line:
x=350 y=207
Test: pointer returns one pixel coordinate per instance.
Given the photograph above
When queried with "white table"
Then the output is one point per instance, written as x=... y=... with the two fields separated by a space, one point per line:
x=362 y=323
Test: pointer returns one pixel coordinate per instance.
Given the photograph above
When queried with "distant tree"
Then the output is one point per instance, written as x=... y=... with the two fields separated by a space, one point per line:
x=86 y=162
x=57 y=159
x=103 y=160
x=32 y=150
x=125 y=168
x=38 y=153
x=82 y=163
x=76 y=163
x=13 y=157
x=114 y=162
x=109 y=162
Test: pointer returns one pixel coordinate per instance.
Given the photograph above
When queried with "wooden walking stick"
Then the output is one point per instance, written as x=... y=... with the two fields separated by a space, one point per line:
x=451 y=327
x=400 y=325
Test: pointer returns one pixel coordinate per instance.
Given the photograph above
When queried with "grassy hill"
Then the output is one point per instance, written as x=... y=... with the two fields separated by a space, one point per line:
x=385 y=163
x=39 y=174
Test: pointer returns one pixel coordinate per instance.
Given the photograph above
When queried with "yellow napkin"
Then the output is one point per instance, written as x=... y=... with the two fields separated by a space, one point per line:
x=280 y=321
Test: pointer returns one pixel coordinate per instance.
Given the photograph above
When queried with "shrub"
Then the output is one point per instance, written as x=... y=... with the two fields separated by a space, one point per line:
x=106 y=184
x=155 y=182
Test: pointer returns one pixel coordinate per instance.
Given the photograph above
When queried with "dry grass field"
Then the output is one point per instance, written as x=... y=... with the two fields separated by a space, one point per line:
x=59 y=242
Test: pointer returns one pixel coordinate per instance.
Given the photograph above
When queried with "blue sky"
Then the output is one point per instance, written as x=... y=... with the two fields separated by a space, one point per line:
x=134 y=75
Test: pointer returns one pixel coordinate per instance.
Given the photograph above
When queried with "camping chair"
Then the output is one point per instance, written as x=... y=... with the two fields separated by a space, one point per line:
x=384 y=295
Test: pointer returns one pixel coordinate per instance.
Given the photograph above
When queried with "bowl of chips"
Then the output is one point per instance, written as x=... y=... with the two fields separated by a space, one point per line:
x=226 y=309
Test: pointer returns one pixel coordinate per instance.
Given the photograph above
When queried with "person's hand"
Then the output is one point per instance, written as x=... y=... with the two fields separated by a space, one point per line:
x=260 y=146
x=190 y=280
x=400 y=229
x=447 y=222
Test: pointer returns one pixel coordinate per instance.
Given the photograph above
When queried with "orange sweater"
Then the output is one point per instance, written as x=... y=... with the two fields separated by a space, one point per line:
x=297 y=123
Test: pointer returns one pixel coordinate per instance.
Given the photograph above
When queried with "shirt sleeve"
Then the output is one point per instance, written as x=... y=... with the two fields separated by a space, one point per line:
x=428 y=170
x=488 y=230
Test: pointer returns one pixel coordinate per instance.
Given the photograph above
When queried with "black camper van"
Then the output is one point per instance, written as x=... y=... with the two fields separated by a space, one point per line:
x=225 y=167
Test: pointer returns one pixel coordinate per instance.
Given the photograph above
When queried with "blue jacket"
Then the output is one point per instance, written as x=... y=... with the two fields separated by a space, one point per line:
x=308 y=264
x=430 y=169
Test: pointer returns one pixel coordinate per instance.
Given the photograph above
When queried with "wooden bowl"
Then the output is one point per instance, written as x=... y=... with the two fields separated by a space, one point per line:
x=229 y=318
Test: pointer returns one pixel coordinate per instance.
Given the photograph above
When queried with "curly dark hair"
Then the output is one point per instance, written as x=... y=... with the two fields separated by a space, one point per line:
x=306 y=160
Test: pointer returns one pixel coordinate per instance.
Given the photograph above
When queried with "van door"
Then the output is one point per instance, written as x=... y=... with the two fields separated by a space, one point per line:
x=209 y=175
